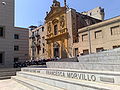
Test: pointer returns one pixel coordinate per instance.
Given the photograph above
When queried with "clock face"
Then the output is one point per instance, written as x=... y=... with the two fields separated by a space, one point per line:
x=62 y=22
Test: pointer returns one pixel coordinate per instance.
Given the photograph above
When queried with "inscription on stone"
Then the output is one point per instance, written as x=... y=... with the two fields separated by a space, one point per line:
x=81 y=76
x=74 y=75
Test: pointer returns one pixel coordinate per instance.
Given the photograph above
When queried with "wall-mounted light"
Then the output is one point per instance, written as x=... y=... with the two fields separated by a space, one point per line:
x=3 y=3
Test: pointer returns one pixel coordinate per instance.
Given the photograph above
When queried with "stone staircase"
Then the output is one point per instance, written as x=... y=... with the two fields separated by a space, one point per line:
x=34 y=84
x=59 y=79
x=102 y=61
x=6 y=73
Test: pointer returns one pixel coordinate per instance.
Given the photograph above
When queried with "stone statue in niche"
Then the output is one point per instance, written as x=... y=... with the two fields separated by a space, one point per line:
x=49 y=28
x=62 y=22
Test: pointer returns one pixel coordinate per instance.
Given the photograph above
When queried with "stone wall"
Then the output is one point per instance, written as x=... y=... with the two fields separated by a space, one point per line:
x=6 y=41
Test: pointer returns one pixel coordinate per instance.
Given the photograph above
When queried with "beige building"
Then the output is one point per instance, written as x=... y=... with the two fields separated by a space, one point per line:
x=37 y=45
x=98 y=37
x=13 y=40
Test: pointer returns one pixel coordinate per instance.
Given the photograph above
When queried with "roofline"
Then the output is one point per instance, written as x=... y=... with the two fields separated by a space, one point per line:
x=37 y=28
x=100 y=24
x=20 y=27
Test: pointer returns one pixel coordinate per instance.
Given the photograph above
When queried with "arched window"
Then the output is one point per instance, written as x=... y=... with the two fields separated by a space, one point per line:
x=55 y=30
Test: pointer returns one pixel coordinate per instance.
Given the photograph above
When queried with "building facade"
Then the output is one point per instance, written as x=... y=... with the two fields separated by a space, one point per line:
x=37 y=45
x=61 y=30
x=57 y=32
x=6 y=28
x=21 y=44
x=99 y=37
x=8 y=48
x=97 y=13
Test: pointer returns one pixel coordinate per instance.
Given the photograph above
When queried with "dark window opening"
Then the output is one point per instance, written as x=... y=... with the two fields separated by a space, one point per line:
x=76 y=39
x=85 y=52
x=117 y=46
x=16 y=48
x=1 y=57
x=38 y=49
x=99 y=49
x=55 y=30
x=90 y=14
x=43 y=50
x=85 y=37
x=42 y=29
x=115 y=30
x=16 y=59
x=98 y=34
x=16 y=36
x=1 y=31
x=76 y=52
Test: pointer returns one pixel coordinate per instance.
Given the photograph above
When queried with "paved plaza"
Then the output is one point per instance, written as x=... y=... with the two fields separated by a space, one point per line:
x=11 y=85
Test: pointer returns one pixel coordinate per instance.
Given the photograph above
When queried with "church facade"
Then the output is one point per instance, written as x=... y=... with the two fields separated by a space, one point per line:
x=61 y=31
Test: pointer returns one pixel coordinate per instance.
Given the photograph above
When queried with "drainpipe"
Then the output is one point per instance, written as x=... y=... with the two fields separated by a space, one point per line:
x=89 y=38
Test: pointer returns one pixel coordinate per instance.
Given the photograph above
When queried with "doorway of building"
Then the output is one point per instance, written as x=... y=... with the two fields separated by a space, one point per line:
x=56 y=47
x=56 y=52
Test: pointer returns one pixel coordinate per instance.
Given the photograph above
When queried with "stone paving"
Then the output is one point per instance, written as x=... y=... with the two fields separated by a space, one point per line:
x=11 y=85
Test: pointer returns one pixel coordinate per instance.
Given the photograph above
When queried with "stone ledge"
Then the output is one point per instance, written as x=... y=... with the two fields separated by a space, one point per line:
x=68 y=83
x=93 y=76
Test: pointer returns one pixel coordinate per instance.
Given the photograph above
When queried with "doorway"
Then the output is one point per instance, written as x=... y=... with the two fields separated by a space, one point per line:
x=56 y=50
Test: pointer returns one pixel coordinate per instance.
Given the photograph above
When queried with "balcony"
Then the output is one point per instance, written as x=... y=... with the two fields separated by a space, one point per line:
x=32 y=46
x=32 y=37
x=37 y=35
x=60 y=34
x=62 y=31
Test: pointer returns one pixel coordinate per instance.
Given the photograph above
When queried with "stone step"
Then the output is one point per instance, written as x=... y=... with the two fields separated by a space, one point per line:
x=68 y=83
x=7 y=74
x=34 y=84
x=5 y=77
x=85 y=66
x=99 y=59
x=105 y=56
x=8 y=71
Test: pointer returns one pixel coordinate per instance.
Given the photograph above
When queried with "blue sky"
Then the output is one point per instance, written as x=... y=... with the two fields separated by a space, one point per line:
x=32 y=12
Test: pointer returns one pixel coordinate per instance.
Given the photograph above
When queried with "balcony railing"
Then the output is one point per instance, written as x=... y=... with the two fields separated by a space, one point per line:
x=60 y=32
x=63 y=31
x=32 y=37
